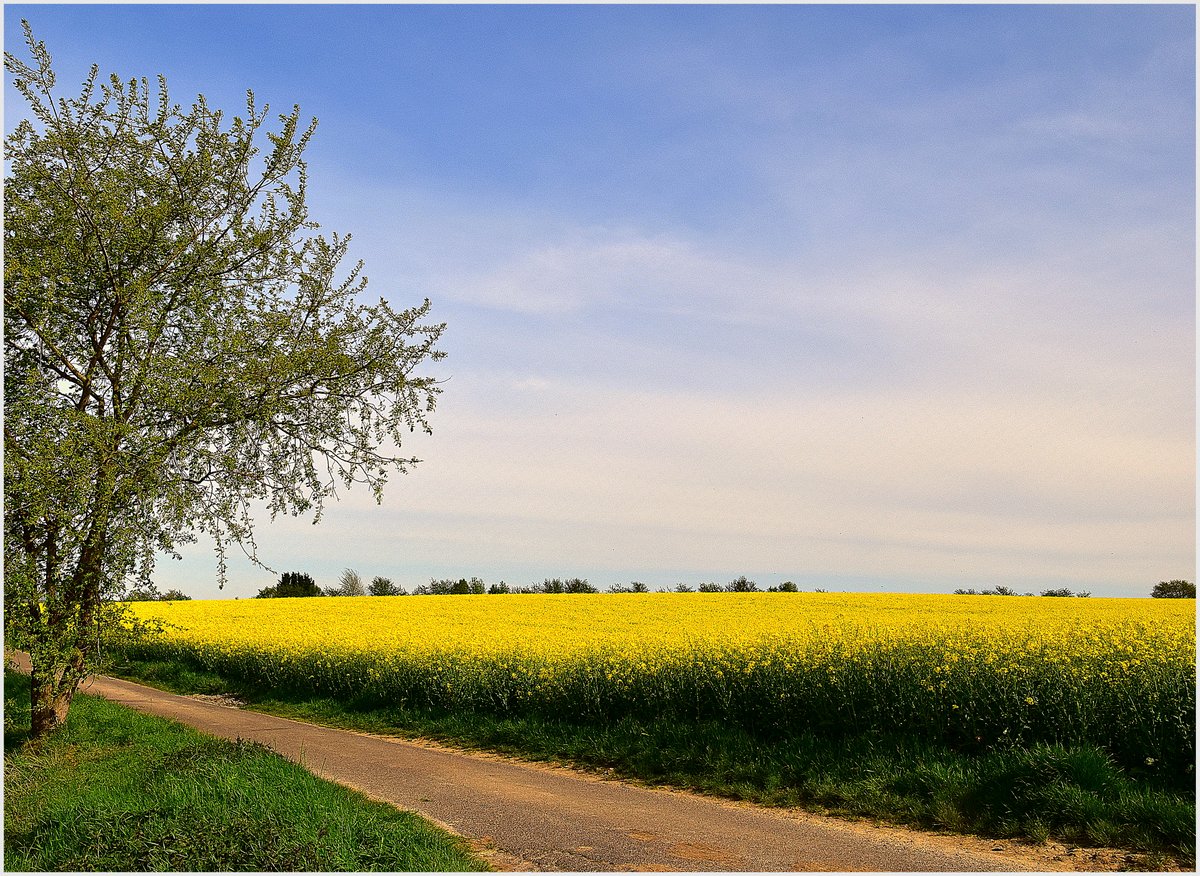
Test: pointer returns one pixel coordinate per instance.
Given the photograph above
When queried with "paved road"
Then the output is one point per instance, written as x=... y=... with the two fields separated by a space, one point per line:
x=525 y=817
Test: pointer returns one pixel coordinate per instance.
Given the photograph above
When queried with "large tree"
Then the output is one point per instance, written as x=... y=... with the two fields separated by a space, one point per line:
x=1177 y=589
x=181 y=348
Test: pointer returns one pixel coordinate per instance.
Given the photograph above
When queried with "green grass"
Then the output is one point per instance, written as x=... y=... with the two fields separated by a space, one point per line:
x=116 y=790
x=1075 y=794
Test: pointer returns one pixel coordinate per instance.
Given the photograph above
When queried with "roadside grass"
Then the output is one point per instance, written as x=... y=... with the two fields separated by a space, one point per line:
x=119 y=791
x=1075 y=795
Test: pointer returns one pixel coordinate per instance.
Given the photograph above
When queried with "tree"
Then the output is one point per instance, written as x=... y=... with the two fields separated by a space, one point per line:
x=1060 y=591
x=683 y=588
x=443 y=587
x=349 y=584
x=381 y=586
x=1176 y=589
x=291 y=584
x=741 y=585
x=179 y=345
x=499 y=588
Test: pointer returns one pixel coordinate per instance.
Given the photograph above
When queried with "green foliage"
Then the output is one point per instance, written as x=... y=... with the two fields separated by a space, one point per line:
x=1176 y=589
x=741 y=585
x=711 y=587
x=1064 y=591
x=570 y=585
x=179 y=347
x=117 y=791
x=451 y=587
x=381 y=586
x=292 y=584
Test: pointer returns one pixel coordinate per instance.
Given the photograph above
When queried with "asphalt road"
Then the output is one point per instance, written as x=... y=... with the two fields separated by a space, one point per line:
x=536 y=818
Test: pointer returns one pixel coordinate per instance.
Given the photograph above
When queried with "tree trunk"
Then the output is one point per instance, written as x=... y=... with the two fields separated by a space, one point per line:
x=49 y=702
x=50 y=691
x=71 y=617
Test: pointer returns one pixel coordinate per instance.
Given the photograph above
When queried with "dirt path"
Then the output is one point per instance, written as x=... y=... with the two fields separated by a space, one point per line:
x=528 y=817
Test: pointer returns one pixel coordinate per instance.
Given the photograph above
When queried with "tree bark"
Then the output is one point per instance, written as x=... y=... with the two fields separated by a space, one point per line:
x=50 y=696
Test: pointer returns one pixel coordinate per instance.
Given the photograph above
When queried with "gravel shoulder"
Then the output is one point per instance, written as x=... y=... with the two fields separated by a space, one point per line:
x=536 y=817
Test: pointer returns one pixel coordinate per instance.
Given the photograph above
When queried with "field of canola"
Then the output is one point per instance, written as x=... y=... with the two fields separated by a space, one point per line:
x=970 y=672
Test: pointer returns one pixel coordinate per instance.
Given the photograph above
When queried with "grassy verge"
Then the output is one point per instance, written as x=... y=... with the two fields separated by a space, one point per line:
x=116 y=790
x=1076 y=795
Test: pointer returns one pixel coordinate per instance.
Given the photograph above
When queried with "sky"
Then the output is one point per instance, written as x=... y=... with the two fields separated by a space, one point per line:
x=867 y=298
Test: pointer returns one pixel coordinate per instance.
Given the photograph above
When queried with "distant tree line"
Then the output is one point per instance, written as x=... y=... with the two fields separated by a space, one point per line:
x=350 y=583
x=1008 y=591
x=1162 y=590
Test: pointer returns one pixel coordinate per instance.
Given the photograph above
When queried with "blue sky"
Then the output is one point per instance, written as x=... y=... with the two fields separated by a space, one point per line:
x=863 y=297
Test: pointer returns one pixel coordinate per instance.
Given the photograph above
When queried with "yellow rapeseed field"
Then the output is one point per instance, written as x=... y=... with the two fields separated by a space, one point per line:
x=967 y=671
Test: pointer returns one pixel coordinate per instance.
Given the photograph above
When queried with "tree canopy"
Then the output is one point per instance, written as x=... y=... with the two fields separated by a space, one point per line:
x=181 y=347
x=1177 y=589
x=291 y=584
